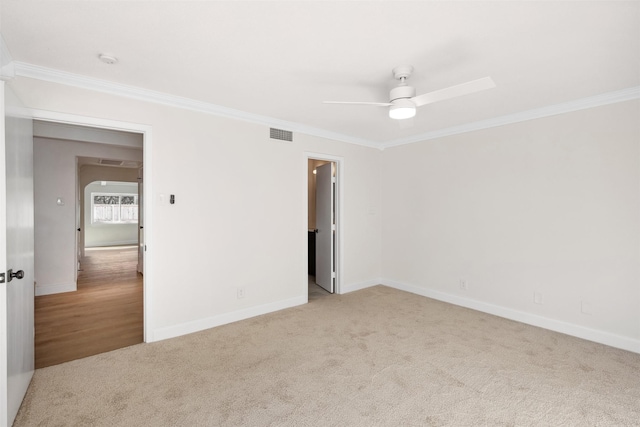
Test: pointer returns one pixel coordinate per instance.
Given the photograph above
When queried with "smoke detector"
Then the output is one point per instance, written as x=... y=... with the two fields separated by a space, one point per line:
x=108 y=59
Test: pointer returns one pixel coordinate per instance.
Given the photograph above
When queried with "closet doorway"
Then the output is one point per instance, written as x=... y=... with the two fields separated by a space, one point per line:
x=323 y=226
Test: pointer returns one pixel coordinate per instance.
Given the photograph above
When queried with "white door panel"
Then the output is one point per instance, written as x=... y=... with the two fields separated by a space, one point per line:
x=325 y=232
x=17 y=294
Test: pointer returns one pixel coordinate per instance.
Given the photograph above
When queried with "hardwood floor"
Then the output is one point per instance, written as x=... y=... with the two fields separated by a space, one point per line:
x=104 y=314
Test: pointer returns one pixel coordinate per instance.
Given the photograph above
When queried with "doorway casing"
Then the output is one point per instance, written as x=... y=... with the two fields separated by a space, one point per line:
x=146 y=131
x=339 y=252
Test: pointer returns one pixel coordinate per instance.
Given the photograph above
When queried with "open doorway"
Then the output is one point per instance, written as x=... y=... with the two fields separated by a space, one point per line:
x=323 y=227
x=109 y=206
x=93 y=301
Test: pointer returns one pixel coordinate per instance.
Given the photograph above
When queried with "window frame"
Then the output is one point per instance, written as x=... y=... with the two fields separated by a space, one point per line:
x=94 y=222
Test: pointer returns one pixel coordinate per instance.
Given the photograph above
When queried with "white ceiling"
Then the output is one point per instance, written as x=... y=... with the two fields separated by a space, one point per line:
x=281 y=59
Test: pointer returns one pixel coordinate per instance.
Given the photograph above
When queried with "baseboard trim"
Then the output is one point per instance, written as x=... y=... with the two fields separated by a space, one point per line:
x=357 y=286
x=223 y=319
x=55 y=289
x=115 y=243
x=594 y=335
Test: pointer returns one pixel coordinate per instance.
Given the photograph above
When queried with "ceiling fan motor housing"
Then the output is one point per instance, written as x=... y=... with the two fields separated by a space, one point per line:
x=401 y=92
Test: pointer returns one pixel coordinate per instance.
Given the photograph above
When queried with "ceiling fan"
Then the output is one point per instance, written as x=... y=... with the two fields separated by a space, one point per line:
x=403 y=100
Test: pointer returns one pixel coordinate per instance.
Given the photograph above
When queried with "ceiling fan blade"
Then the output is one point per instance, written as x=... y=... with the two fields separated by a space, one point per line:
x=454 y=91
x=378 y=104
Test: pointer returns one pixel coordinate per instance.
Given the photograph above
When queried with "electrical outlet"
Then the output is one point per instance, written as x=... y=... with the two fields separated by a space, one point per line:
x=586 y=308
x=537 y=298
x=463 y=284
x=240 y=293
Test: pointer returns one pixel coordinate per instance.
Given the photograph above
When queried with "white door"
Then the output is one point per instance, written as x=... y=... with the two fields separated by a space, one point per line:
x=16 y=258
x=325 y=227
x=140 y=222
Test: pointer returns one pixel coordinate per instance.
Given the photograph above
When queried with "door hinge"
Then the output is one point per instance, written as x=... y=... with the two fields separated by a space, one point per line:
x=2 y=277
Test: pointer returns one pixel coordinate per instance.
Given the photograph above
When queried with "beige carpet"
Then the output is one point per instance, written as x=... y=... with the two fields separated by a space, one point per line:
x=376 y=357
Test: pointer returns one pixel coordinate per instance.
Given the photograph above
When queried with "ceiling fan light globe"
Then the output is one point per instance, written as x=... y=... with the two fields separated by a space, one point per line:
x=401 y=113
x=402 y=109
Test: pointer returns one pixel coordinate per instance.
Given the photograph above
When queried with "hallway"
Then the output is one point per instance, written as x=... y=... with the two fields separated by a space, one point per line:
x=104 y=314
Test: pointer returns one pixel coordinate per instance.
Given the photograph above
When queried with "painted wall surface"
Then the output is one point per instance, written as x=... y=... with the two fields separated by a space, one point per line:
x=108 y=234
x=55 y=225
x=548 y=208
x=240 y=217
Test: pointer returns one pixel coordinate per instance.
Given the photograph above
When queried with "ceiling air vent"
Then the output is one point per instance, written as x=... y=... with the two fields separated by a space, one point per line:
x=110 y=162
x=283 y=135
x=131 y=164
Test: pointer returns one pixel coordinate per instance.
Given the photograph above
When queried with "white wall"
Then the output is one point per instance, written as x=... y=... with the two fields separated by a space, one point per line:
x=55 y=226
x=96 y=235
x=240 y=218
x=549 y=206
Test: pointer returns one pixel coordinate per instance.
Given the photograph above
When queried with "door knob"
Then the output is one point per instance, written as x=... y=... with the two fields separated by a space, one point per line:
x=17 y=275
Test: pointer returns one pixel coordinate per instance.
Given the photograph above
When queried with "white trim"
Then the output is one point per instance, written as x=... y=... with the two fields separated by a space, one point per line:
x=114 y=243
x=57 y=130
x=93 y=195
x=536 y=113
x=223 y=319
x=4 y=350
x=55 y=288
x=147 y=144
x=147 y=257
x=76 y=119
x=76 y=80
x=339 y=161
x=578 y=331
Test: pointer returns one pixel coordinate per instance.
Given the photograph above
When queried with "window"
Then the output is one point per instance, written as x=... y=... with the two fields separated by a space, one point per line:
x=114 y=208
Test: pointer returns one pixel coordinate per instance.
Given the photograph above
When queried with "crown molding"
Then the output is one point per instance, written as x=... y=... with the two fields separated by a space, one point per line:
x=83 y=82
x=79 y=81
x=627 y=94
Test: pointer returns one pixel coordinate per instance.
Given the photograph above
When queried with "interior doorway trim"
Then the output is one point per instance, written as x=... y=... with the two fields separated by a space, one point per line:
x=146 y=131
x=339 y=161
